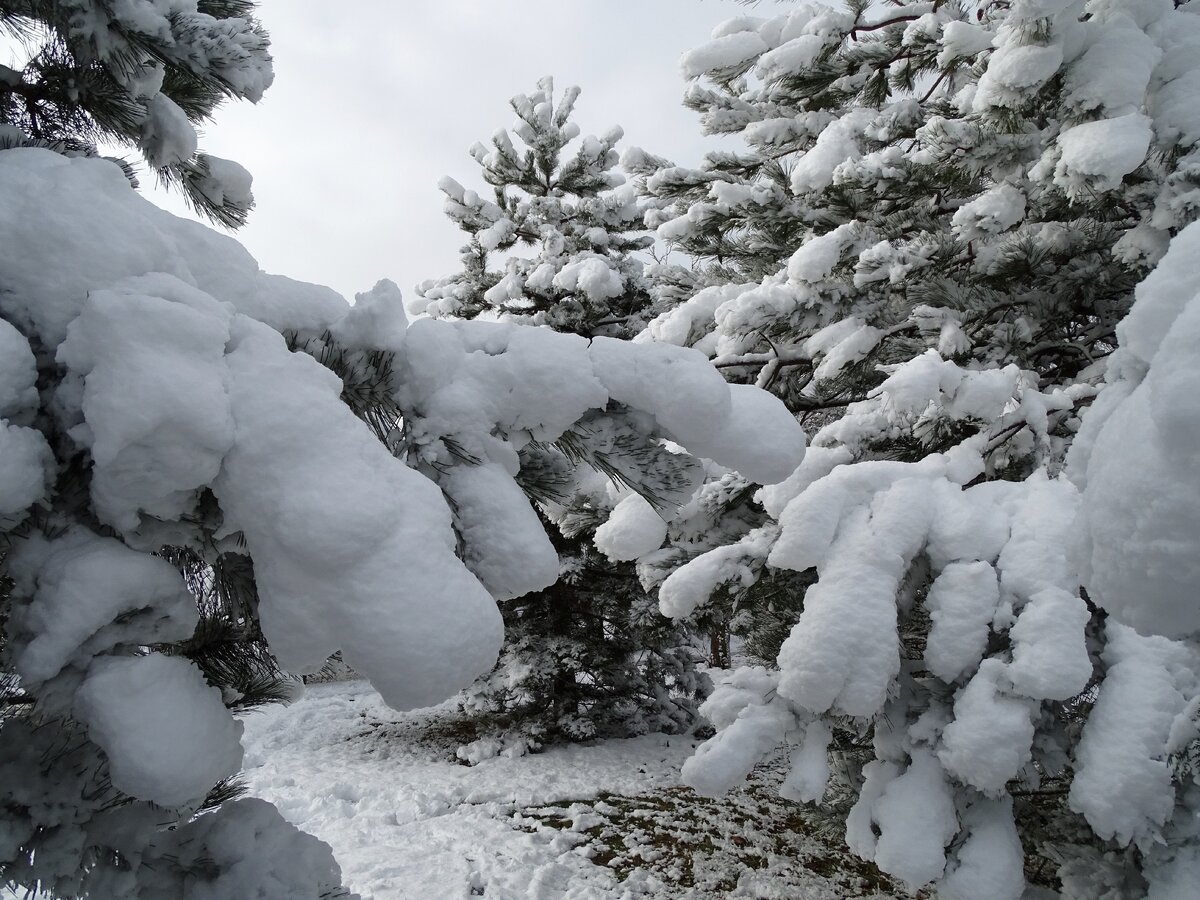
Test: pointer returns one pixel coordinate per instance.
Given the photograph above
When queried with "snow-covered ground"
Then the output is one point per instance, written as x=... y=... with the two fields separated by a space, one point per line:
x=407 y=820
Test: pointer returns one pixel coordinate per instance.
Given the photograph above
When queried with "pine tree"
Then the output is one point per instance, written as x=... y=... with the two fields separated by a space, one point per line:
x=584 y=277
x=143 y=76
x=590 y=656
x=925 y=250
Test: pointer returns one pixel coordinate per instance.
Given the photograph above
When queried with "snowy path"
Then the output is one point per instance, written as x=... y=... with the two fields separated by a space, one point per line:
x=406 y=821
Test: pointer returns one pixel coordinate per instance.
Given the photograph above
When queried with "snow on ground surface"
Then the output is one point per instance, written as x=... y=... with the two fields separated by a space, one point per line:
x=407 y=820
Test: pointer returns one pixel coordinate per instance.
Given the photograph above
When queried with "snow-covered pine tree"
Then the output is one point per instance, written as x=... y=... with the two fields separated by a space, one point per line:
x=938 y=222
x=142 y=75
x=125 y=643
x=590 y=655
x=573 y=228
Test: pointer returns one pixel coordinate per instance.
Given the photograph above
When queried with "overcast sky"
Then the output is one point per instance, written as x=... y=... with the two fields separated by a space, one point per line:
x=375 y=100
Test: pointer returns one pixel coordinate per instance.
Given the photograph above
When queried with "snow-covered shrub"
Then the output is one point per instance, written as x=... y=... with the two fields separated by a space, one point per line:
x=925 y=250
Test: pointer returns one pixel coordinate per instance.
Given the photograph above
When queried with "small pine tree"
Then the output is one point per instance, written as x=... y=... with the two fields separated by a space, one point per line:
x=589 y=656
x=137 y=76
x=580 y=229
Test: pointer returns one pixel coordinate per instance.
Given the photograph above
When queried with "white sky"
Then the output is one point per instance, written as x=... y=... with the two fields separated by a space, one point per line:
x=374 y=101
